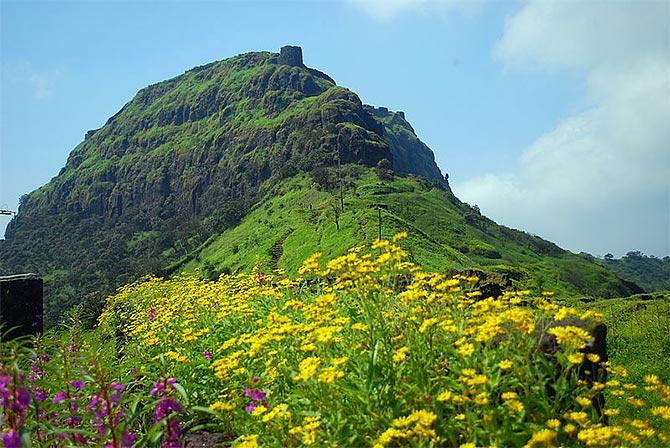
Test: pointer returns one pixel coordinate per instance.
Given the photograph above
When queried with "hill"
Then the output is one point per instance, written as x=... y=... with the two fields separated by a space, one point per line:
x=169 y=177
x=651 y=273
x=298 y=218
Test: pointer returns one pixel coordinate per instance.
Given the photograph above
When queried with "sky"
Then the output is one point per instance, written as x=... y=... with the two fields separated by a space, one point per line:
x=553 y=117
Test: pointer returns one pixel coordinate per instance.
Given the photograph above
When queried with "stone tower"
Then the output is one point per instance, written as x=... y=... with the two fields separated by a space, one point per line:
x=290 y=55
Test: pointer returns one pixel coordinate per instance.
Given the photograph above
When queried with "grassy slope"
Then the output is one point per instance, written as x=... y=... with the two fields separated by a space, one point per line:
x=638 y=338
x=298 y=220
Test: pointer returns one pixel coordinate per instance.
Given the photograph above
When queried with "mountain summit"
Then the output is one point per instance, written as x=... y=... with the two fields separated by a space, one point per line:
x=187 y=159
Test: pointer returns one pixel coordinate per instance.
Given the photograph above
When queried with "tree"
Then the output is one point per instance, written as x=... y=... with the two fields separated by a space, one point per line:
x=608 y=257
x=633 y=254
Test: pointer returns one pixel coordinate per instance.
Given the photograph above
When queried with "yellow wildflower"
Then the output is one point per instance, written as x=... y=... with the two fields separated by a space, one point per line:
x=445 y=396
x=330 y=374
x=308 y=368
x=541 y=438
x=246 y=442
x=466 y=349
x=661 y=411
x=400 y=354
x=505 y=364
x=570 y=336
x=279 y=411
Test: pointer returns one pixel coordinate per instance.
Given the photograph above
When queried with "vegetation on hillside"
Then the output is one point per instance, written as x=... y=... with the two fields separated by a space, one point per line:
x=367 y=349
x=299 y=218
x=651 y=273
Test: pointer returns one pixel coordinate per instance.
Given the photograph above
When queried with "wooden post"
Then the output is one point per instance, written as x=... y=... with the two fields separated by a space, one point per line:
x=379 y=217
x=379 y=221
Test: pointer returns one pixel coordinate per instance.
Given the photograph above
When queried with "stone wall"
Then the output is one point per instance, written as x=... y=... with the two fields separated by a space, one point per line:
x=21 y=304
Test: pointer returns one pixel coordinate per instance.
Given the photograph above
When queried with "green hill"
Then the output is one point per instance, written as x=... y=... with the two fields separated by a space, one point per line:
x=298 y=218
x=209 y=169
x=651 y=273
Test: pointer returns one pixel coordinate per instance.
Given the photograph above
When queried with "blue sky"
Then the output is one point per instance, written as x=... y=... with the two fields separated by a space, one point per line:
x=473 y=79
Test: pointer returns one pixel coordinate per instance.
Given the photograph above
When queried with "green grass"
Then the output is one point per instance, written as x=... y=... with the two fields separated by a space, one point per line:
x=638 y=334
x=298 y=219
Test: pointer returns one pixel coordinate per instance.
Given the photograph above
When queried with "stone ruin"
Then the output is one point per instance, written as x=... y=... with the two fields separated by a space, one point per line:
x=21 y=304
x=290 y=55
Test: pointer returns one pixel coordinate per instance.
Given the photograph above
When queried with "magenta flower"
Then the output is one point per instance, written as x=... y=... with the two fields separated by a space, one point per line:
x=207 y=354
x=115 y=398
x=11 y=439
x=22 y=397
x=40 y=395
x=166 y=406
x=60 y=396
x=254 y=394
x=4 y=381
x=127 y=438
x=77 y=385
x=93 y=402
x=73 y=421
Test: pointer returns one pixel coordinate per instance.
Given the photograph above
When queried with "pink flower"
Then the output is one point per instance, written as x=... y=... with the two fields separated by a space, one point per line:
x=40 y=395
x=207 y=354
x=254 y=394
x=11 y=439
x=77 y=385
x=60 y=396
x=127 y=438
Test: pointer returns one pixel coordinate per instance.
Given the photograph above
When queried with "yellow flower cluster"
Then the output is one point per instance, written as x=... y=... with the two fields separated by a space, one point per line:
x=417 y=425
x=354 y=342
x=308 y=430
x=570 y=337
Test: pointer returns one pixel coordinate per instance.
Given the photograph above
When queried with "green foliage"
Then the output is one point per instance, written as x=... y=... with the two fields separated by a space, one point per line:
x=434 y=218
x=651 y=273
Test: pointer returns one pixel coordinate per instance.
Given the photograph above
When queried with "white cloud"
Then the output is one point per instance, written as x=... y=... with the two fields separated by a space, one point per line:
x=600 y=180
x=387 y=10
x=39 y=82
x=587 y=34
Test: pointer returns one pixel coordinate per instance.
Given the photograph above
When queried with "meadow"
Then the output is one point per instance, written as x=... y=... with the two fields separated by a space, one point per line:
x=365 y=349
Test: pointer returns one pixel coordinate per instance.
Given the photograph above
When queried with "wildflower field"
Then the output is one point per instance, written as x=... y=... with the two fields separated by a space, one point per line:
x=364 y=350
